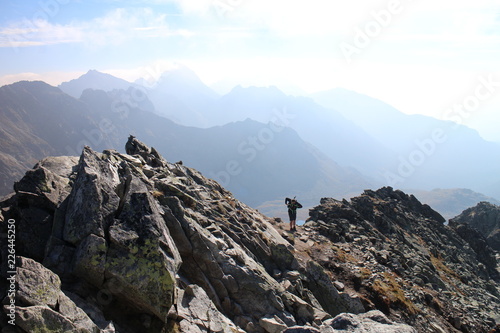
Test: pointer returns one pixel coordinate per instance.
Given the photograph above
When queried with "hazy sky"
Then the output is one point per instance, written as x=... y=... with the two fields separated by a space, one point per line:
x=439 y=57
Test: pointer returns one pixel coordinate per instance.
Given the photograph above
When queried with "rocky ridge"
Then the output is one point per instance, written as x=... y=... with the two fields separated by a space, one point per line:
x=112 y=242
x=399 y=257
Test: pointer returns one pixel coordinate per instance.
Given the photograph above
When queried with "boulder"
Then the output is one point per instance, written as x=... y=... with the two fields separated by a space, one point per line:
x=370 y=322
x=42 y=304
x=197 y=313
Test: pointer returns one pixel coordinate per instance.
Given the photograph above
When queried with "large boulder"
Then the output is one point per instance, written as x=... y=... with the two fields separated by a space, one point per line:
x=370 y=322
x=40 y=303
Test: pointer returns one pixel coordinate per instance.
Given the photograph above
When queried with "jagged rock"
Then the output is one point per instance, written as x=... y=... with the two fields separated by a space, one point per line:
x=121 y=234
x=484 y=217
x=42 y=305
x=38 y=194
x=149 y=155
x=93 y=199
x=479 y=244
x=272 y=324
x=197 y=313
x=332 y=300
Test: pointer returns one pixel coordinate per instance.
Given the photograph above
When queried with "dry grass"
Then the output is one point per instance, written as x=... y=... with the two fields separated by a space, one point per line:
x=445 y=273
x=392 y=293
x=156 y=194
x=343 y=256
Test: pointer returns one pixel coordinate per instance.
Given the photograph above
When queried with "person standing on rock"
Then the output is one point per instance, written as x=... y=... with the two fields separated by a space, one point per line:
x=292 y=205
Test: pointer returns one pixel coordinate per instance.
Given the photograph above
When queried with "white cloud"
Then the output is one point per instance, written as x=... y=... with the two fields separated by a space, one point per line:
x=114 y=28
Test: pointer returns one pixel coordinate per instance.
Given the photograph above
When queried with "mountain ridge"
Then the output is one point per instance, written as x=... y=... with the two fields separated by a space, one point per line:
x=235 y=153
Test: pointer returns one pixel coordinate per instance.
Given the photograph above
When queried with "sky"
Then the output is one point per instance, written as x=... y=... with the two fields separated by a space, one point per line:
x=439 y=58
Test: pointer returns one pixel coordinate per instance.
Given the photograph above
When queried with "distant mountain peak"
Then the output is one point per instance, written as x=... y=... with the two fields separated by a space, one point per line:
x=93 y=79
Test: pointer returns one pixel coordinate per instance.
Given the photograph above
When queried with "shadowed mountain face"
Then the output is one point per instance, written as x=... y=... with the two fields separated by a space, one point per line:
x=329 y=131
x=257 y=162
x=37 y=120
x=129 y=242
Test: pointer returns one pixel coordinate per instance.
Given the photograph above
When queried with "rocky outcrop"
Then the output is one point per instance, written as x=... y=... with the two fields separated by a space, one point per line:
x=112 y=242
x=485 y=217
x=148 y=245
x=42 y=305
x=400 y=257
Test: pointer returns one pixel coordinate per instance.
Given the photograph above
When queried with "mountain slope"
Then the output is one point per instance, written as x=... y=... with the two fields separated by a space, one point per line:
x=329 y=131
x=37 y=120
x=142 y=245
x=397 y=253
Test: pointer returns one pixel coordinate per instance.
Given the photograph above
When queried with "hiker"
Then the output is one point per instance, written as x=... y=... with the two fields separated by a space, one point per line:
x=292 y=205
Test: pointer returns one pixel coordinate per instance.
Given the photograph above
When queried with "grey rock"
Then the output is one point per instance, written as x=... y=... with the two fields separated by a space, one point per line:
x=272 y=324
x=93 y=198
x=197 y=313
x=42 y=304
x=370 y=322
x=485 y=217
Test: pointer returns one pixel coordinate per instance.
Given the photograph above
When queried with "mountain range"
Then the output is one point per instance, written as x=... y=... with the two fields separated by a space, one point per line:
x=258 y=162
x=259 y=142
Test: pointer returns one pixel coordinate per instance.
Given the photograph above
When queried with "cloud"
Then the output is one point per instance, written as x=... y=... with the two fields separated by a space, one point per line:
x=116 y=27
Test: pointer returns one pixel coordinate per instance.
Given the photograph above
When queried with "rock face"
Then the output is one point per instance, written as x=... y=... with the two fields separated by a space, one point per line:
x=112 y=242
x=485 y=217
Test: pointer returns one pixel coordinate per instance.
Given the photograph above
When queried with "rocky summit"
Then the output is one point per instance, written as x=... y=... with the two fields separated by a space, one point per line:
x=113 y=242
